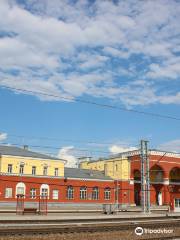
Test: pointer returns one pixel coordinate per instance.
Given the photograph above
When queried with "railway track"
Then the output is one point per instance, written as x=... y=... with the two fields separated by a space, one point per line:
x=44 y=228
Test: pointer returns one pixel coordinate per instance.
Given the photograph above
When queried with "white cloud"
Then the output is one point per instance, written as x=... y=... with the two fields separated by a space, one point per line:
x=67 y=153
x=3 y=136
x=173 y=146
x=71 y=49
x=89 y=61
x=116 y=52
x=114 y=149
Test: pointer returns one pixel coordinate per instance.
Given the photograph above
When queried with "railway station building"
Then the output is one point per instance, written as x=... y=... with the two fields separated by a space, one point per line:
x=33 y=175
x=125 y=169
x=115 y=179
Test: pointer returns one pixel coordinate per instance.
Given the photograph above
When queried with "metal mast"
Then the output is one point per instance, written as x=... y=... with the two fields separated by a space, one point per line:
x=145 y=183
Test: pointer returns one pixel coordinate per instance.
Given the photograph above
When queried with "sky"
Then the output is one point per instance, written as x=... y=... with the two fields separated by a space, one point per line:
x=120 y=53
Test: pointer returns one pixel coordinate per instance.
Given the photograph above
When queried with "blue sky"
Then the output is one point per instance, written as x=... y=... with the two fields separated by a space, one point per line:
x=123 y=53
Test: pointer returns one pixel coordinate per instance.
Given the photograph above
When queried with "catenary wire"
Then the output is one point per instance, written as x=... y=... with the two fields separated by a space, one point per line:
x=92 y=103
x=68 y=140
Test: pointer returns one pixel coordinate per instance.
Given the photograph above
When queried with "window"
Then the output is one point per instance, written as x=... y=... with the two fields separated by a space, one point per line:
x=21 y=169
x=32 y=193
x=44 y=190
x=9 y=168
x=70 y=192
x=8 y=193
x=83 y=193
x=45 y=169
x=177 y=203
x=95 y=193
x=107 y=193
x=56 y=172
x=55 y=194
x=33 y=170
x=20 y=188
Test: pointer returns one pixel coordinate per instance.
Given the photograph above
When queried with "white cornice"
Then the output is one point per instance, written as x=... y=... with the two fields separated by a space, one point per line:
x=151 y=152
x=31 y=158
x=29 y=175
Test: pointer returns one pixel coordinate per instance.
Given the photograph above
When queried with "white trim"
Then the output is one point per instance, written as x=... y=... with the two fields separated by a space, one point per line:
x=166 y=181
x=138 y=152
x=30 y=175
x=86 y=179
x=44 y=186
x=159 y=161
x=22 y=185
x=131 y=182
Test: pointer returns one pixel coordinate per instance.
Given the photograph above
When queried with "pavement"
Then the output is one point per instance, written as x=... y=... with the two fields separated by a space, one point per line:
x=81 y=216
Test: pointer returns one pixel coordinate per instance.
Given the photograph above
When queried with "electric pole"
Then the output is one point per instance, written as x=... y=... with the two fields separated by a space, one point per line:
x=145 y=182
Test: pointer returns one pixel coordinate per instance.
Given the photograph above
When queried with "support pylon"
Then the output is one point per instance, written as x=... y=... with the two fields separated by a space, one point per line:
x=145 y=182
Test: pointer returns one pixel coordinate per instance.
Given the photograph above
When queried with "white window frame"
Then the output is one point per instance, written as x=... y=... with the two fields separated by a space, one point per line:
x=10 y=166
x=21 y=186
x=56 y=172
x=33 y=193
x=45 y=170
x=95 y=193
x=8 y=192
x=55 y=194
x=21 y=169
x=33 y=170
x=70 y=192
x=44 y=190
x=83 y=193
x=107 y=193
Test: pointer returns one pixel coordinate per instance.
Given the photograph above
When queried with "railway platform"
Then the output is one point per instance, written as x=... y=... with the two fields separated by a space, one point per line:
x=53 y=216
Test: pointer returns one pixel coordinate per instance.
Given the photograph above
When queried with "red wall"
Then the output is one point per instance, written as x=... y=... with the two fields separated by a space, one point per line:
x=58 y=184
x=125 y=189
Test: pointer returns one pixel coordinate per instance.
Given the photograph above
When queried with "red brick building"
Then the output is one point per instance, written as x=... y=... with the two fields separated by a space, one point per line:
x=85 y=186
x=92 y=188
x=164 y=178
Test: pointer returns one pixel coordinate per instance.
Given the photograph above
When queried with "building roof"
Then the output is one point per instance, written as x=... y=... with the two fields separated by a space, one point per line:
x=124 y=155
x=21 y=152
x=85 y=174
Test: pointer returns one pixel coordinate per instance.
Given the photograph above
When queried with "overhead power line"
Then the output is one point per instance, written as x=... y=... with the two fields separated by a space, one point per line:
x=92 y=103
x=58 y=148
x=110 y=154
x=70 y=140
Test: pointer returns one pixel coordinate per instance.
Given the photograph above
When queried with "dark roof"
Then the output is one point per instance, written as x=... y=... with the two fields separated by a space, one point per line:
x=16 y=151
x=85 y=174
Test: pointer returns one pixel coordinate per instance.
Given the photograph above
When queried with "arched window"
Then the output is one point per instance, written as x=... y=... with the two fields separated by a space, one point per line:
x=95 y=193
x=44 y=190
x=156 y=174
x=83 y=193
x=20 y=188
x=107 y=193
x=174 y=175
x=137 y=176
x=70 y=192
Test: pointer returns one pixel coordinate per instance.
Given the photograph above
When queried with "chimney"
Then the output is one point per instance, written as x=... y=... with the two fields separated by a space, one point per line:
x=25 y=147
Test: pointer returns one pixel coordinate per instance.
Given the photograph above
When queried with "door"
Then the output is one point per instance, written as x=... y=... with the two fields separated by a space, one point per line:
x=177 y=204
x=137 y=197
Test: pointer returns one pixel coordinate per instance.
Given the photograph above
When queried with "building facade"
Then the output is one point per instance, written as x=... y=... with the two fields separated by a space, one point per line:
x=113 y=180
x=125 y=169
x=36 y=175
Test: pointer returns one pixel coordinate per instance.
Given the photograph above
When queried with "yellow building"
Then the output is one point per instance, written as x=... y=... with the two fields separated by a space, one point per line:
x=116 y=168
x=21 y=161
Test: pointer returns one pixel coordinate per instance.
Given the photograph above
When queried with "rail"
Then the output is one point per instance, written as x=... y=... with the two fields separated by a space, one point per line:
x=86 y=227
